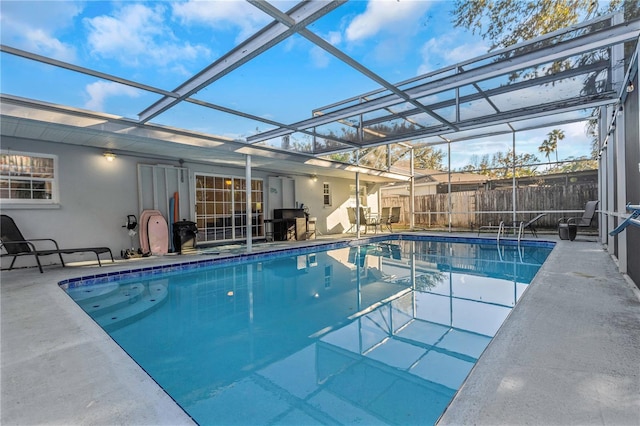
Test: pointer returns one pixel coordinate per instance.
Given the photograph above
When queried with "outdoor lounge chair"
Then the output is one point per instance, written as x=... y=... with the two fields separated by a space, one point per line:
x=513 y=229
x=530 y=225
x=12 y=241
x=570 y=225
x=394 y=217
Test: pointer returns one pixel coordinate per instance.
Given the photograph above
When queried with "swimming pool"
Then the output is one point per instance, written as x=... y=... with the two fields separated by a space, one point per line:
x=380 y=333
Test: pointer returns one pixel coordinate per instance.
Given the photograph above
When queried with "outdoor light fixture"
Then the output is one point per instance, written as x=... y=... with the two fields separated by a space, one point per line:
x=620 y=110
x=110 y=156
x=630 y=87
x=314 y=178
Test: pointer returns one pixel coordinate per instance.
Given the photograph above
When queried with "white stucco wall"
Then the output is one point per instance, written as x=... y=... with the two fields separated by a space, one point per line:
x=403 y=189
x=95 y=197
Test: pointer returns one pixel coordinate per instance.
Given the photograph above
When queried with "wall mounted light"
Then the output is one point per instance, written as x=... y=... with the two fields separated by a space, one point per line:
x=110 y=156
x=620 y=110
x=314 y=178
x=630 y=87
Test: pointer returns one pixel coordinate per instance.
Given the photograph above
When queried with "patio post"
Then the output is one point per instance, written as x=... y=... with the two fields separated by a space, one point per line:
x=248 y=212
x=449 y=182
x=513 y=181
x=357 y=204
x=412 y=201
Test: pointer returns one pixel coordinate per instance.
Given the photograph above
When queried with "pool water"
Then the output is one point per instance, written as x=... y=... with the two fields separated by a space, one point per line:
x=383 y=333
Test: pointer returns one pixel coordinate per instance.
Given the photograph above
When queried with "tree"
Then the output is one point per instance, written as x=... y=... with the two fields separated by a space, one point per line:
x=480 y=165
x=507 y=22
x=572 y=164
x=550 y=145
x=525 y=164
x=547 y=149
x=376 y=157
x=592 y=130
x=555 y=136
x=426 y=157
x=500 y=166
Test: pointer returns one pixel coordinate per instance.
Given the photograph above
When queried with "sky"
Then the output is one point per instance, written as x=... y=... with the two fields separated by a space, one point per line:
x=163 y=43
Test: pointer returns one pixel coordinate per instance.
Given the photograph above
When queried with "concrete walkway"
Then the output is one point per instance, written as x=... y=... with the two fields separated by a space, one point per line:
x=569 y=354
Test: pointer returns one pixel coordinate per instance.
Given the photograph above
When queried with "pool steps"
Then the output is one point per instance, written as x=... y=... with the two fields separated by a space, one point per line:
x=114 y=306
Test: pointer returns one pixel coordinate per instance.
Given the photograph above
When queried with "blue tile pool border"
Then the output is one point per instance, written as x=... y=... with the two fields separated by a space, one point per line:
x=241 y=258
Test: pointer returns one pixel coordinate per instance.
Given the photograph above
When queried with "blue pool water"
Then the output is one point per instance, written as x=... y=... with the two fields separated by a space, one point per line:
x=382 y=333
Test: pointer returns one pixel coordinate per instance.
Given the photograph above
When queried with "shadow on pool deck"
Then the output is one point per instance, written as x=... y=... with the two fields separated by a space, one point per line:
x=567 y=355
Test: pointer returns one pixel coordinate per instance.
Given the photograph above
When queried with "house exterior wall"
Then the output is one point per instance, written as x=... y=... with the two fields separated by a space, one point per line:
x=96 y=196
x=403 y=189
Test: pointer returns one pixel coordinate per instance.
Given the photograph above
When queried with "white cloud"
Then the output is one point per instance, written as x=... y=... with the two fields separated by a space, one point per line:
x=226 y=13
x=137 y=34
x=100 y=91
x=437 y=52
x=390 y=16
x=319 y=57
x=575 y=130
x=33 y=26
x=334 y=37
x=386 y=29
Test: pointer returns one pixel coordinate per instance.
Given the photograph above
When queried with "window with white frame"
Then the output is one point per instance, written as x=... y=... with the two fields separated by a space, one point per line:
x=326 y=194
x=28 y=178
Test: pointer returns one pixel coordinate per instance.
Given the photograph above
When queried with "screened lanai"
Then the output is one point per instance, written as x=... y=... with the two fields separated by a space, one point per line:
x=221 y=116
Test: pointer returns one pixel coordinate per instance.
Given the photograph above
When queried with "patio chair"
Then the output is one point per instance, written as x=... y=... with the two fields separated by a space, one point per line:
x=12 y=241
x=351 y=212
x=394 y=217
x=384 y=216
x=570 y=225
x=368 y=220
x=530 y=225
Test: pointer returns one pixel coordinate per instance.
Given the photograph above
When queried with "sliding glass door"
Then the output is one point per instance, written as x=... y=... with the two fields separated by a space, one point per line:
x=221 y=208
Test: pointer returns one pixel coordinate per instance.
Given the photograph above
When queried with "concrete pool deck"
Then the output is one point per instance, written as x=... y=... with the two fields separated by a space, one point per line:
x=567 y=355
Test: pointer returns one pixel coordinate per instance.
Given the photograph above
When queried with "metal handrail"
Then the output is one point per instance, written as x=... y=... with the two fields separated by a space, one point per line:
x=520 y=232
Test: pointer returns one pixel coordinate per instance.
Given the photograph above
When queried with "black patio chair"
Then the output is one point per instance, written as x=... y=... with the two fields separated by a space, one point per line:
x=571 y=224
x=12 y=241
x=530 y=225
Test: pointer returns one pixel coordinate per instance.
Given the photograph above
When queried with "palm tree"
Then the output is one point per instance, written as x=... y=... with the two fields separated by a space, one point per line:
x=547 y=148
x=555 y=136
x=550 y=144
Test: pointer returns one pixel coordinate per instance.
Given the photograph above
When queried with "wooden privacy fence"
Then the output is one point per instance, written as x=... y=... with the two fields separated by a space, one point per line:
x=471 y=209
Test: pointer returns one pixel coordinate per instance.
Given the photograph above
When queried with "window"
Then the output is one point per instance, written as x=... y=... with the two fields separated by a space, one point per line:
x=28 y=178
x=326 y=194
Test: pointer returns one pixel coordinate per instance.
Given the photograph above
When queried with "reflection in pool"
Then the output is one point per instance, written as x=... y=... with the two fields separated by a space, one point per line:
x=383 y=333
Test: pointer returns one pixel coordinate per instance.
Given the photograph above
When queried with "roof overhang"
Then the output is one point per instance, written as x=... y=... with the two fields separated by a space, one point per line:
x=29 y=119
